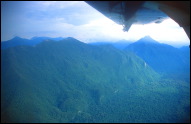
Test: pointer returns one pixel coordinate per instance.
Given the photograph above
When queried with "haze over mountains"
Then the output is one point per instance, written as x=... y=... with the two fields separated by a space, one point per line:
x=70 y=81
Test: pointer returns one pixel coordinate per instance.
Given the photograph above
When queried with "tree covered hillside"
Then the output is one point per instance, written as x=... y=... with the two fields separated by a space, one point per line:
x=70 y=81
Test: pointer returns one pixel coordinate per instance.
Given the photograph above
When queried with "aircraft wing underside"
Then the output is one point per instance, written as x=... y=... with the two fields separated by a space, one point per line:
x=127 y=13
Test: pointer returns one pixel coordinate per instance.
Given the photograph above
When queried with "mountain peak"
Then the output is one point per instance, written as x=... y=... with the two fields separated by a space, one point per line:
x=16 y=38
x=72 y=39
x=147 y=39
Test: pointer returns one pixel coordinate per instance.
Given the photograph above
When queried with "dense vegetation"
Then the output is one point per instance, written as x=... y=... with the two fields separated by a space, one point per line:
x=70 y=81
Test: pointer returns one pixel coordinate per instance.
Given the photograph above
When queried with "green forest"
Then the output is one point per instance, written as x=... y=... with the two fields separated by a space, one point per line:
x=70 y=81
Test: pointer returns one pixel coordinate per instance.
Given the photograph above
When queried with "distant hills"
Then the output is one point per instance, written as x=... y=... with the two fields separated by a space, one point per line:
x=162 y=58
x=17 y=41
x=70 y=81
x=121 y=44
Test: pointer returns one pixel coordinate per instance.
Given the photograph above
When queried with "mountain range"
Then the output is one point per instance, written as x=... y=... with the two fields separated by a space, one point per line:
x=162 y=58
x=121 y=44
x=70 y=81
x=17 y=41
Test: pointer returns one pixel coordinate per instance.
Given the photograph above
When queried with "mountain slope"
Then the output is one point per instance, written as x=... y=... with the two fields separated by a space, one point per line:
x=69 y=81
x=161 y=57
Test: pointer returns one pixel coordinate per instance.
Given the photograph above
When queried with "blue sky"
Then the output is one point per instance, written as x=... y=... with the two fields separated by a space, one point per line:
x=77 y=19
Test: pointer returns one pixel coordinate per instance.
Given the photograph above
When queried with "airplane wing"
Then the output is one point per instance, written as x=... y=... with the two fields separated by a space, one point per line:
x=127 y=13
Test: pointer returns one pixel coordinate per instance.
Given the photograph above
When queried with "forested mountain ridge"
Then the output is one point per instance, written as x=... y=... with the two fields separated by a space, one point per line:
x=70 y=81
x=162 y=58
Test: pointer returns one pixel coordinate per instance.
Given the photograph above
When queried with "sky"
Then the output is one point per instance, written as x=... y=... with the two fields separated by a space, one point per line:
x=77 y=19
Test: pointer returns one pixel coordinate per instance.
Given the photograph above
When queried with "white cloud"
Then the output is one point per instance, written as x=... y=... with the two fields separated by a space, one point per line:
x=79 y=20
x=58 y=4
x=167 y=31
